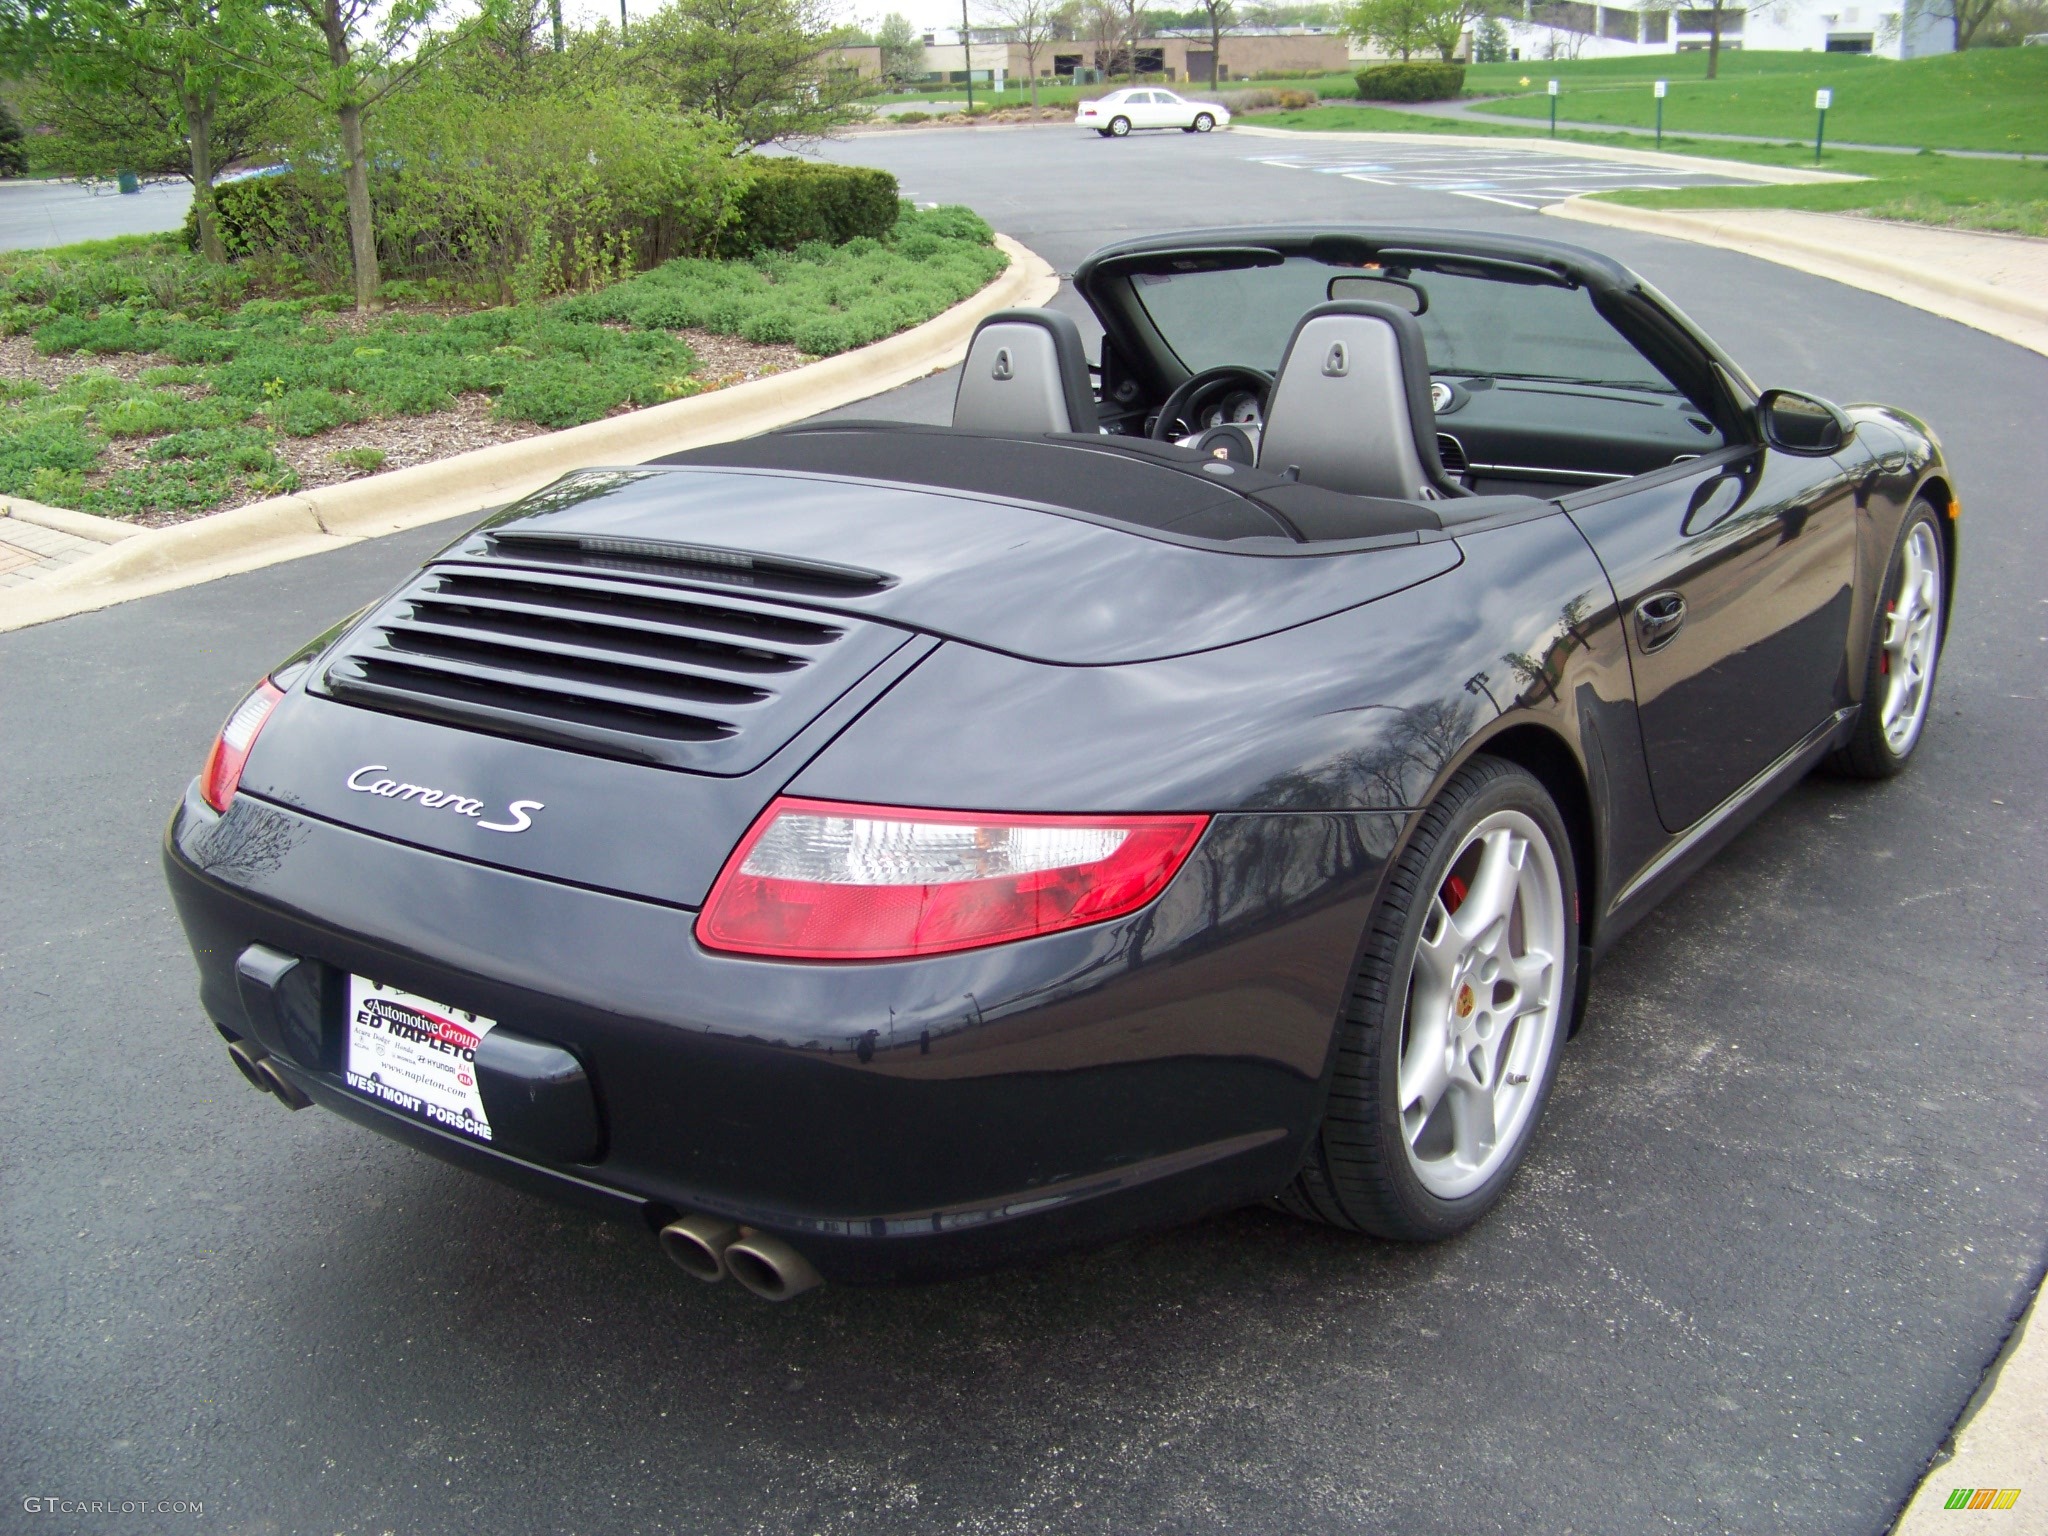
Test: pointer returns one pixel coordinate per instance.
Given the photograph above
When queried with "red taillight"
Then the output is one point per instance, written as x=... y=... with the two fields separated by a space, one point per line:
x=223 y=770
x=815 y=880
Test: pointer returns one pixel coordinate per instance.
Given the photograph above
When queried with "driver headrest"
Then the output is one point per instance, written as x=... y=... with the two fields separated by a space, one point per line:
x=1026 y=372
x=1350 y=406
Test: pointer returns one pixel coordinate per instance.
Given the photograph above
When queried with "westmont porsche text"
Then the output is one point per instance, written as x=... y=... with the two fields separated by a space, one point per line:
x=1202 y=774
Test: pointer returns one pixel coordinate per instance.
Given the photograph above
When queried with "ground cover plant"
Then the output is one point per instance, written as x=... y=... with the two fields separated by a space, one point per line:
x=173 y=384
x=1986 y=98
x=2002 y=196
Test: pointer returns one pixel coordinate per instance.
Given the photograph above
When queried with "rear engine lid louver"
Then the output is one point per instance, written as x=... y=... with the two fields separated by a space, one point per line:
x=603 y=664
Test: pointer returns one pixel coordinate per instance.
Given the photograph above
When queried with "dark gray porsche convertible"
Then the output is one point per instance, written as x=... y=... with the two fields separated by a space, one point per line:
x=1203 y=776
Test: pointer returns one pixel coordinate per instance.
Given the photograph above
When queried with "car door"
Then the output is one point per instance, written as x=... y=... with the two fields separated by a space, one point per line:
x=1736 y=579
x=1169 y=111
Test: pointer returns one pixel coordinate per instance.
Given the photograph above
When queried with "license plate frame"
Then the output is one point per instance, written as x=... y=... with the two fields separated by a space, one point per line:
x=415 y=1056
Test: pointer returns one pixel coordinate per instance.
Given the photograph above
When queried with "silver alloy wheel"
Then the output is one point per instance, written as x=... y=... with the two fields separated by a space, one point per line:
x=1119 y=126
x=1912 y=636
x=1204 y=122
x=1485 y=1002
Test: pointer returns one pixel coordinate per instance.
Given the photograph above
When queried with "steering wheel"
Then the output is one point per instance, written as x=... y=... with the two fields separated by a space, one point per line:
x=1183 y=406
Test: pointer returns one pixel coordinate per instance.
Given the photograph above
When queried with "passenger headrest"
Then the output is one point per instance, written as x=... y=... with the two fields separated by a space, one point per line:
x=1026 y=373
x=1350 y=406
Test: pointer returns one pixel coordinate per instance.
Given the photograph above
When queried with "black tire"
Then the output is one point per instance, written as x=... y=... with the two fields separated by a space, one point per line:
x=1190 y=128
x=1204 y=122
x=1102 y=133
x=1357 y=1172
x=1119 y=127
x=1868 y=753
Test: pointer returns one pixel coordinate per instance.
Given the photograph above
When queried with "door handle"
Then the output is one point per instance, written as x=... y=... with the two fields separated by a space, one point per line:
x=1658 y=618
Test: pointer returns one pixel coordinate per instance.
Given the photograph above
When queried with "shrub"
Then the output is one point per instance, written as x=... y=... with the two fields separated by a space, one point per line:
x=49 y=443
x=1248 y=101
x=1417 y=80
x=1295 y=101
x=526 y=197
x=790 y=202
x=820 y=299
x=371 y=459
x=303 y=412
x=911 y=117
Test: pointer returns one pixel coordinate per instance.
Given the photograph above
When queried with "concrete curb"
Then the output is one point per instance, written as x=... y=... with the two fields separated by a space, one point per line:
x=2001 y=1442
x=2017 y=316
x=287 y=527
x=1768 y=175
x=80 y=525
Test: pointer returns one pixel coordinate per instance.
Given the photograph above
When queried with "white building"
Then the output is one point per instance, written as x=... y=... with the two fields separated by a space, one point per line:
x=1569 y=29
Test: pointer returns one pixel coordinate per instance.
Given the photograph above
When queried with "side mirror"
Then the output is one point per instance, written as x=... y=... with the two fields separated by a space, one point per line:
x=1801 y=424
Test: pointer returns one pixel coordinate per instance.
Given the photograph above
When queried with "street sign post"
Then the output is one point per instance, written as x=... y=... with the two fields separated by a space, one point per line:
x=1553 y=109
x=1822 y=100
x=1661 y=87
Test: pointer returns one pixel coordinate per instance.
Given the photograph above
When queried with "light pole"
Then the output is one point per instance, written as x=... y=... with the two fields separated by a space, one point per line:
x=967 y=57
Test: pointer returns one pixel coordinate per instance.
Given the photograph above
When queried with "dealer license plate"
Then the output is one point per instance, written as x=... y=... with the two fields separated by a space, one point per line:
x=417 y=1056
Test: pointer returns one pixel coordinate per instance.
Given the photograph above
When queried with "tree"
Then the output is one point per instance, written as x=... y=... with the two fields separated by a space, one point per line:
x=1490 y=42
x=1966 y=18
x=142 y=85
x=1222 y=17
x=347 y=57
x=902 y=53
x=13 y=155
x=1132 y=18
x=1031 y=25
x=1103 y=23
x=753 y=65
x=1408 y=27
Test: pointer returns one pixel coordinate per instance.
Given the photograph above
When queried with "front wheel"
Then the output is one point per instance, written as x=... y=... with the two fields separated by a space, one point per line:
x=1204 y=122
x=1119 y=127
x=1449 y=1043
x=1905 y=651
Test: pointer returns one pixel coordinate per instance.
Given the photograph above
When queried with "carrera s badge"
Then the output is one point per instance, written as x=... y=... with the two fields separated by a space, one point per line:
x=441 y=799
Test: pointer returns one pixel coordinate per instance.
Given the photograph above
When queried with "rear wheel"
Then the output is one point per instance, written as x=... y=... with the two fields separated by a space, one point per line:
x=1204 y=122
x=1119 y=127
x=1449 y=1044
x=1905 y=652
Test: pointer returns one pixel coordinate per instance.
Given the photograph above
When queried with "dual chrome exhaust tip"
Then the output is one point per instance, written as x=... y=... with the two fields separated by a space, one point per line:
x=707 y=1248
x=254 y=1063
x=710 y=1248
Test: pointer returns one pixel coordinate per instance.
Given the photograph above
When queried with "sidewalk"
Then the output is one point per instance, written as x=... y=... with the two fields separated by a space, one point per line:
x=28 y=550
x=1998 y=1447
x=1994 y=283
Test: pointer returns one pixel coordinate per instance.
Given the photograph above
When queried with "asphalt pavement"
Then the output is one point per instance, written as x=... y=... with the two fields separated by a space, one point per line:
x=40 y=213
x=1790 y=1193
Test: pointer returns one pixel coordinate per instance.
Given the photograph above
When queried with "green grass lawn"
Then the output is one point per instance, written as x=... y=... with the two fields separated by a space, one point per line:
x=2001 y=195
x=236 y=370
x=2007 y=196
x=1988 y=98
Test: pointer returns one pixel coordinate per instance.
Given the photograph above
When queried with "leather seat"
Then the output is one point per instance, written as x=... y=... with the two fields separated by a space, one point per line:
x=1026 y=373
x=1350 y=406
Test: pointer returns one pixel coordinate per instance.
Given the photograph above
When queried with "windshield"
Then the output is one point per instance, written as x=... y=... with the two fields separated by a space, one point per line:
x=1471 y=326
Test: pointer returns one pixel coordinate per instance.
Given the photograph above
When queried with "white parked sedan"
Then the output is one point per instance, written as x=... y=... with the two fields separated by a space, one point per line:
x=1147 y=106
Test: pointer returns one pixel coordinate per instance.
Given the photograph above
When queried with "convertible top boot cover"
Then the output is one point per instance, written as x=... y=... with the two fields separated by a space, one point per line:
x=1350 y=408
x=1026 y=373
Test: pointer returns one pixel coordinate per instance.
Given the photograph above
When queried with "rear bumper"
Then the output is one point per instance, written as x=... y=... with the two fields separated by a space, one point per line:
x=889 y=1119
